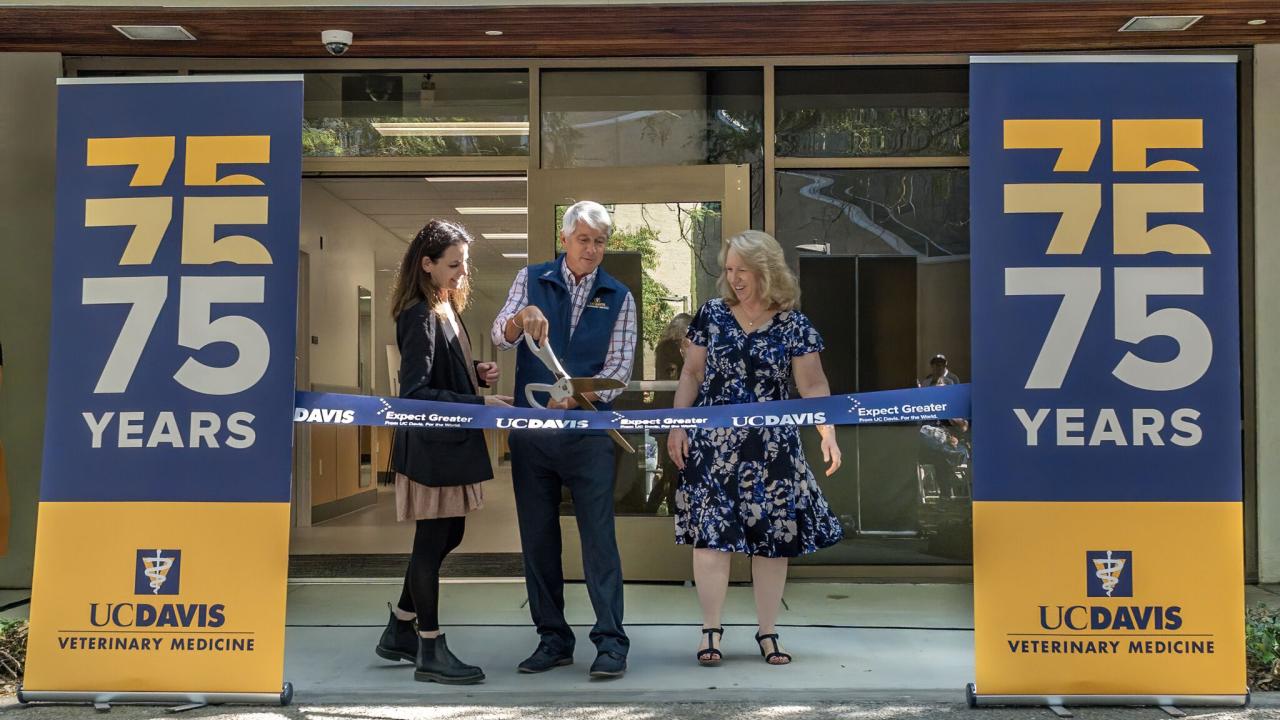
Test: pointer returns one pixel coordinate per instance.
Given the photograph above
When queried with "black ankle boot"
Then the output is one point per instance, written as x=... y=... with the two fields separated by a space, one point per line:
x=436 y=663
x=399 y=641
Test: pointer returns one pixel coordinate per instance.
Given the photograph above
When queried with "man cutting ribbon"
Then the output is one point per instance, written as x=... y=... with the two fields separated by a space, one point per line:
x=567 y=387
x=588 y=321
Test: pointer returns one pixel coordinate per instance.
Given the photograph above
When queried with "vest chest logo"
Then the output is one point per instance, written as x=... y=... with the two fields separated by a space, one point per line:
x=597 y=304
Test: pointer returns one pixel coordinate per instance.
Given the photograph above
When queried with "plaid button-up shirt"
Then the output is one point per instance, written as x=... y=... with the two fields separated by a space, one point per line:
x=622 y=341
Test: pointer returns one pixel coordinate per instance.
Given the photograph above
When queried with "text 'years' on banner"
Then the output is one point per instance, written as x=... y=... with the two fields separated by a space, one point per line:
x=1108 y=550
x=162 y=545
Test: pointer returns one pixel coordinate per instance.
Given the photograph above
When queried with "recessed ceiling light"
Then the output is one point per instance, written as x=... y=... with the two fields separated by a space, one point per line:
x=492 y=210
x=1258 y=22
x=477 y=178
x=493 y=33
x=505 y=236
x=516 y=256
x=154 y=32
x=1160 y=23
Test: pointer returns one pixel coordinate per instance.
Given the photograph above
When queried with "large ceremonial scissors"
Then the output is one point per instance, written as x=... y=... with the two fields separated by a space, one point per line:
x=566 y=387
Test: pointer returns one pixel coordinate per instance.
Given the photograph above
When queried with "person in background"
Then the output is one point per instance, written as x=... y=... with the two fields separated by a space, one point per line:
x=438 y=471
x=943 y=445
x=940 y=375
x=668 y=356
x=750 y=490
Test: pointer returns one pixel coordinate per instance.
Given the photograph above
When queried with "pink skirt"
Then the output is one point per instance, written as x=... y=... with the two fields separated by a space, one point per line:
x=415 y=501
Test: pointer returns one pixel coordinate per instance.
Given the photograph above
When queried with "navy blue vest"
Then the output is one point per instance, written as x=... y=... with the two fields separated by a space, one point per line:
x=583 y=352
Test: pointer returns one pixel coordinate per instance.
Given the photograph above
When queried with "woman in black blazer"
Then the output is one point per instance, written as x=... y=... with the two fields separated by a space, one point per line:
x=438 y=471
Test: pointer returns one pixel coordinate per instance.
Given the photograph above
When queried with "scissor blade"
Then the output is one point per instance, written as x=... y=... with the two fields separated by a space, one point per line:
x=617 y=436
x=596 y=384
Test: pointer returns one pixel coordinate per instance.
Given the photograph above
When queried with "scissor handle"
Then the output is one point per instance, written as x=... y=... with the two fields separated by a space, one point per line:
x=531 y=343
x=546 y=355
x=532 y=388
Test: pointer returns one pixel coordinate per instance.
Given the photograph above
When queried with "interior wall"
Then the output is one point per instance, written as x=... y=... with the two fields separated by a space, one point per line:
x=340 y=264
x=335 y=464
x=478 y=317
x=28 y=122
x=384 y=329
x=479 y=321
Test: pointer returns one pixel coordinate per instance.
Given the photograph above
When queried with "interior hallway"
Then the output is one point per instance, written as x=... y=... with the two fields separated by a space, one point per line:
x=374 y=530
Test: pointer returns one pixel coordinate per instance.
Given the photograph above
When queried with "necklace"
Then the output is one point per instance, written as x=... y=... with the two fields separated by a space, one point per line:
x=752 y=323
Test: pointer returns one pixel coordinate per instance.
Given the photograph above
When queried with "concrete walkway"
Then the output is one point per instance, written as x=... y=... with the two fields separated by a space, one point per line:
x=861 y=651
x=844 y=638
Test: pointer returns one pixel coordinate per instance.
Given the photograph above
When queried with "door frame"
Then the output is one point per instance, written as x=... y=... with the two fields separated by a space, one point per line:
x=646 y=543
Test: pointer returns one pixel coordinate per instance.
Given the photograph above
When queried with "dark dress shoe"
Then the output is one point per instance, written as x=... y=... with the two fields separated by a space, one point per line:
x=609 y=664
x=543 y=659
x=399 y=641
x=437 y=664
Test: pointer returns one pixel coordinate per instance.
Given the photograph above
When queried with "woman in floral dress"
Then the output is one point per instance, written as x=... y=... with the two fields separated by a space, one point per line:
x=750 y=490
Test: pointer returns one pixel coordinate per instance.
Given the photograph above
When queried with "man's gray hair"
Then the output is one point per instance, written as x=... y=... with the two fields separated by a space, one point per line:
x=589 y=212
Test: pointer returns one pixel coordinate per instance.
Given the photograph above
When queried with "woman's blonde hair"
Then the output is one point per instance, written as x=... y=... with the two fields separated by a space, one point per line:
x=763 y=256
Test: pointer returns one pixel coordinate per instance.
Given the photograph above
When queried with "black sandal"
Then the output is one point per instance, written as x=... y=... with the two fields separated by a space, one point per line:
x=710 y=656
x=768 y=657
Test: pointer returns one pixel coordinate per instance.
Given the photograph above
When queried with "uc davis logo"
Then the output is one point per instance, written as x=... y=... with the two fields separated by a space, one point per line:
x=1109 y=573
x=157 y=572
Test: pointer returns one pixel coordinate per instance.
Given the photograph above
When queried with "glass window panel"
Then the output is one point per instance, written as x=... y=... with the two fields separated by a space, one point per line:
x=621 y=118
x=416 y=114
x=872 y=112
x=903 y=495
x=906 y=211
x=882 y=260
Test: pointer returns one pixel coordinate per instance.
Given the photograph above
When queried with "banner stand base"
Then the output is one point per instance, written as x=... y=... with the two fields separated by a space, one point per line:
x=283 y=698
x=974 y=700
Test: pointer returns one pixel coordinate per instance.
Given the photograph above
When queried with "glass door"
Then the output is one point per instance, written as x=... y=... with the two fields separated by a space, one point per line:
x=669 y=223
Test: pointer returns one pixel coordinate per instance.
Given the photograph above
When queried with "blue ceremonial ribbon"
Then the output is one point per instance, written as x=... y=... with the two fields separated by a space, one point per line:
x=938 y=402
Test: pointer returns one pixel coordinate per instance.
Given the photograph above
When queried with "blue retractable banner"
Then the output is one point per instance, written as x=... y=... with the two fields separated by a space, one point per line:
x=161 y=551
x=1106 y=379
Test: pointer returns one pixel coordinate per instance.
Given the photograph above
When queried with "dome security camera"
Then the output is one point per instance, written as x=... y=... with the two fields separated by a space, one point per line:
x=337 y=42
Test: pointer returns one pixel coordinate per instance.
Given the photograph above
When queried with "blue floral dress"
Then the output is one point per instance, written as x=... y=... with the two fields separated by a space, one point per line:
x=749 y=490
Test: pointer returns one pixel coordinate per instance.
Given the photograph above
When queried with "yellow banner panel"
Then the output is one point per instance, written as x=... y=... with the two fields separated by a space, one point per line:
x=1084 y=598
x=159 y=597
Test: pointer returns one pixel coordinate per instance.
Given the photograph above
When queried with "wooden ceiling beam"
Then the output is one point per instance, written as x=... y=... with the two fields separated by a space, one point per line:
x=643 y=30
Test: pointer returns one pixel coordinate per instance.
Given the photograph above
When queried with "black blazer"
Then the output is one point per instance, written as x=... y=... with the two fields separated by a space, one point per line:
x=433 y=367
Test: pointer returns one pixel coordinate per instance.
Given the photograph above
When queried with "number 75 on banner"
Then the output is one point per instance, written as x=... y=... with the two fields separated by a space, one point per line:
x=1079 y=204
x=150 y=218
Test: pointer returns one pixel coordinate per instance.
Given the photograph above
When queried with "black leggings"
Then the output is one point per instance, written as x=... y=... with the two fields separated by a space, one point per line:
x=432 y=542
